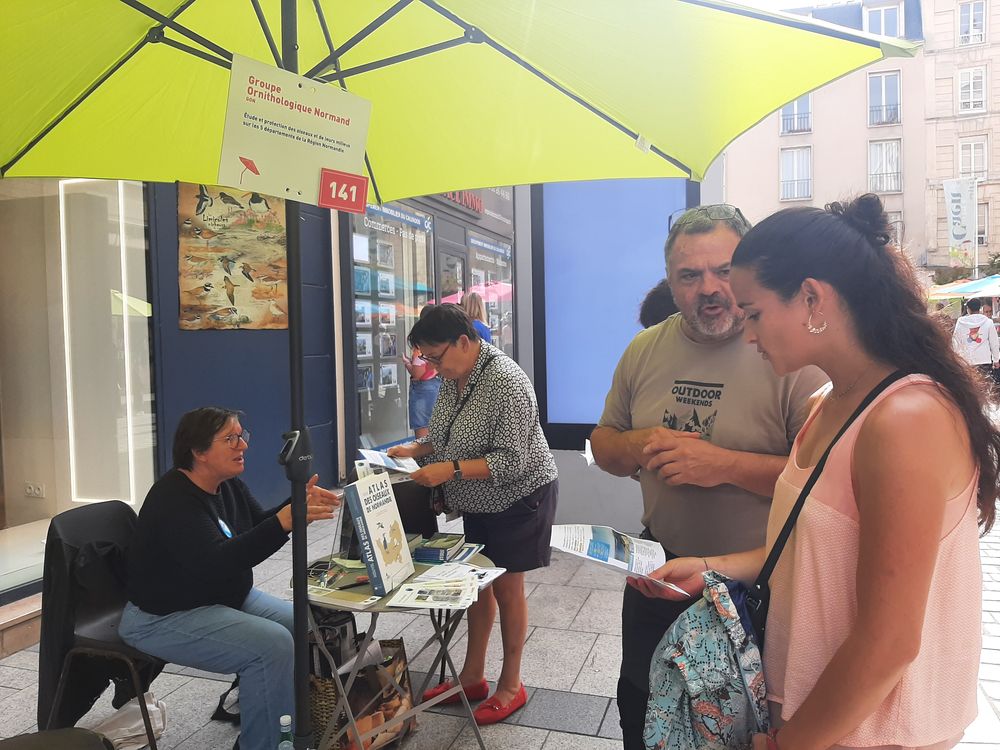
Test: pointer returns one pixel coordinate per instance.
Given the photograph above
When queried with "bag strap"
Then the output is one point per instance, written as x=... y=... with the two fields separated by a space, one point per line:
x=786 y=531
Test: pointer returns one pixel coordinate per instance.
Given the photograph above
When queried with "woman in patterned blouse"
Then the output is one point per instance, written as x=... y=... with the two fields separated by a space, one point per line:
x=487 y=454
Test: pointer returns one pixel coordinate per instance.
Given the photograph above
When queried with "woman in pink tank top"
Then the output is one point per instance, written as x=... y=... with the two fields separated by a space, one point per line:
x=873 y=632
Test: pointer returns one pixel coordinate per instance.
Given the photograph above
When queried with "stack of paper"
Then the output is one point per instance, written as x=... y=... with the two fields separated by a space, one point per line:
x=446 y=586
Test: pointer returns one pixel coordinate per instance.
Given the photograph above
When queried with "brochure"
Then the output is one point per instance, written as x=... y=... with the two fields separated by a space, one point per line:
x=459 y=571
x=436 y=595
x=626 y=554
x=381 y=540
x=378 y=458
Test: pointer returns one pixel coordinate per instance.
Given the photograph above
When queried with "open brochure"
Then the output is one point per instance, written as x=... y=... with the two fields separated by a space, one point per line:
x=459 y=571
x=378 y=458
x=436 y=594
x=626 y=554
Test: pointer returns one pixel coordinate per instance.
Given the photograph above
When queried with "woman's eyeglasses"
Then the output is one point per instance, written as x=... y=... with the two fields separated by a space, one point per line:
x=437 y=360
x=234 y=440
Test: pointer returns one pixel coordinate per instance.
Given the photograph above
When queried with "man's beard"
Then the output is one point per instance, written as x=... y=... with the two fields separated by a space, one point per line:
x=721 y=327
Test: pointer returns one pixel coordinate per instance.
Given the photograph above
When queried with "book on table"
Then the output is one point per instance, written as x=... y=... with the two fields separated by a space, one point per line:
x=439 y=548
x=381 y=539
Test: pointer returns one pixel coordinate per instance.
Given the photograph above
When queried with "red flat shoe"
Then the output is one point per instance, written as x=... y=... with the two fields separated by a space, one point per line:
x=491 y=711
x=475 y=692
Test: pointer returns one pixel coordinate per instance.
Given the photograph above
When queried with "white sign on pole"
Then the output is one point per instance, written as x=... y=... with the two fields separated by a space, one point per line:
x=282 y=129
x=960 y=209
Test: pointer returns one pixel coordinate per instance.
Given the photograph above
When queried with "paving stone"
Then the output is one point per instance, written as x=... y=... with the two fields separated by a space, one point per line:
x=434 y=732
x=564 y=712
x=22 y=660
x=562 y=568
x=18 y=711
x=602 y=613
x=502 y=737
x=611 y=727
x=416 y=634
x=12 y=677
x=189 y=710
x=593 y=576
x=214 y=734
x=552 y=658
x=564 y=741
x=551 y=606
x=599 y=673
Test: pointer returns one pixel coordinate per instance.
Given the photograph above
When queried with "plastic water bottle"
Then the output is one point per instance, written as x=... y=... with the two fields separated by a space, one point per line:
x=286 y=742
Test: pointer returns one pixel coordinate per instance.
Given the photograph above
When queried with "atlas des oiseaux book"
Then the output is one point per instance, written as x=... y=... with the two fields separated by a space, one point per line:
x=381 y=540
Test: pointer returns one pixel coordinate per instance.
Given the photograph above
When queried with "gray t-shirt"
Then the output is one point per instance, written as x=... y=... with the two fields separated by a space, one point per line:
x=730 y=395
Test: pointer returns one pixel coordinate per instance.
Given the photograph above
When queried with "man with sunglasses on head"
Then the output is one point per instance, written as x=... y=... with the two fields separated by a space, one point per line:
x=701 y=418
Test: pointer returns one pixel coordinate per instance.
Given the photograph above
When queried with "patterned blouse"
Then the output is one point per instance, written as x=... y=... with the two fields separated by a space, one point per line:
x=495 y=418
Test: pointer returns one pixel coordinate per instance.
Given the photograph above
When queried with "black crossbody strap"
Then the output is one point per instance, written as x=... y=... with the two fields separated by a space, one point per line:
x=786 y=531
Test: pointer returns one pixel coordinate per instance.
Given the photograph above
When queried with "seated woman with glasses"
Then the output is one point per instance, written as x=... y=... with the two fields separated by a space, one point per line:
x=190 y=572
x=487 y=453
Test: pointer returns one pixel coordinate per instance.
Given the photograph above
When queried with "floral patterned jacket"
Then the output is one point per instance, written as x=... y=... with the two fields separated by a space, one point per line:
x=706 y=685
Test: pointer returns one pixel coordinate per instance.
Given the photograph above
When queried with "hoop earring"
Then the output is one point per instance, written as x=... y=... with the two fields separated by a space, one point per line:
x=813 y=329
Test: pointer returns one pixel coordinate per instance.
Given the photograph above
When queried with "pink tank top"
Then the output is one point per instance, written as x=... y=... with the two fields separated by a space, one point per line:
x=814 y=604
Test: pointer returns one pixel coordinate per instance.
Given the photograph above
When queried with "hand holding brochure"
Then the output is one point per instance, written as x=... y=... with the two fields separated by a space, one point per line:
x=626 y=554
x=378 y=458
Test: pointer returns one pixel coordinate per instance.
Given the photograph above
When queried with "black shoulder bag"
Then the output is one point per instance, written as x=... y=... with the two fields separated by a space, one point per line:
x=758 y=596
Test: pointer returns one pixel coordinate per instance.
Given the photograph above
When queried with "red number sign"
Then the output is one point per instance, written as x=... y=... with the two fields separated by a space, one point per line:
x=342 y=191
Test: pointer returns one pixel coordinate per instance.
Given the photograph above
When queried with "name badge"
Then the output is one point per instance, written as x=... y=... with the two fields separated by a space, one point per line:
x=225 y=529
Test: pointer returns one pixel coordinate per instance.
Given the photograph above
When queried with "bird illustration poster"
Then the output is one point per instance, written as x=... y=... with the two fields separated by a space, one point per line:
x=232 y=262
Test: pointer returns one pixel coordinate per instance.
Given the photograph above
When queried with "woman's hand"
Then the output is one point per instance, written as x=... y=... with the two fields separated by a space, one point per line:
x=763 y=742
x=683 y=572
x=403 y=451
x=320 y=503
x=434 y=474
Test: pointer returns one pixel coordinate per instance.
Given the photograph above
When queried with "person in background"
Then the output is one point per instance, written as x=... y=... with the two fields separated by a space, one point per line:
x=487 y=453
x=976 y=341
x=705 y=423
x=874 y=626
x=191 y=599
x=424 y=386
x=473 y=305
x=657 y=305
x=942 y=318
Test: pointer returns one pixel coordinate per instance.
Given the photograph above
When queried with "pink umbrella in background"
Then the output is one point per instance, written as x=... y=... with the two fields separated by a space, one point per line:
x=493 y=291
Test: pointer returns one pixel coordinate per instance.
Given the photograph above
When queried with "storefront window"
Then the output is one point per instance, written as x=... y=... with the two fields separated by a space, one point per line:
x=76 y=400
x=391 y=281
x=492 y=279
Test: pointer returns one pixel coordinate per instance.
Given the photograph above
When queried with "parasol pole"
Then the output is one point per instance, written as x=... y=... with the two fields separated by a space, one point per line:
x=297 y=452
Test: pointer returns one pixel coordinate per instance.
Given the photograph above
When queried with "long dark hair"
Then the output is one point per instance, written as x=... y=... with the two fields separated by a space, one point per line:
x=848 y=247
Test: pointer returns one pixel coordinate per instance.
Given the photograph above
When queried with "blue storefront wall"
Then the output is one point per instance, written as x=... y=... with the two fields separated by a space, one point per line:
x=245 y=370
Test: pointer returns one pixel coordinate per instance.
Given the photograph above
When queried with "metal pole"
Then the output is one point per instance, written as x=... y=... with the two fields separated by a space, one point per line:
x=298 y=467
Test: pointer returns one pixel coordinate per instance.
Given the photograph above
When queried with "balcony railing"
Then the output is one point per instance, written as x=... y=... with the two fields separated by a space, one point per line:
x=884 y=114
x=796 y=189
x=885 y=182
x=796 y=123
x=975 y=37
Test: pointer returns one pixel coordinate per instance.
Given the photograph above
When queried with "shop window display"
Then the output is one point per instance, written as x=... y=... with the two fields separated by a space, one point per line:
x=391 y=249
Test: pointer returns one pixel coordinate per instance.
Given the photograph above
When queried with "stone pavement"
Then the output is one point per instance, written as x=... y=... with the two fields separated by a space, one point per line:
x=571 y=662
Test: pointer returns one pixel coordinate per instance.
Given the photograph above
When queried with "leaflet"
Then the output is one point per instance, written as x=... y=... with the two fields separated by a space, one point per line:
x=626 y=554
x=436 y=595
x=459 y=572
x=378 y=458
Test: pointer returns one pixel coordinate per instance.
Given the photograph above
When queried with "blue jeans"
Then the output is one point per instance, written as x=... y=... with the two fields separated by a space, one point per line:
x=254 y=642
x=423 y=394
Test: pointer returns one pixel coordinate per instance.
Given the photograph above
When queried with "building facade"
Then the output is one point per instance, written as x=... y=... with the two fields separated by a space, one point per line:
x=862 y=133
x=961 y=88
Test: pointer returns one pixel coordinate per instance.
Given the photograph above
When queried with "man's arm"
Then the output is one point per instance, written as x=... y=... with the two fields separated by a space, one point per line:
x=619 y=452
x=677 y=459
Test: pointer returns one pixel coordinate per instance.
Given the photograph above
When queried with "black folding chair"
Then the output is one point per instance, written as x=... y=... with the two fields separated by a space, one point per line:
x=91 y=543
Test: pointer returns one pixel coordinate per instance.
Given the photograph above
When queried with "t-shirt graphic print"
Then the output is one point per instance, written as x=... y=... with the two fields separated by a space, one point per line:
x=692 y=395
